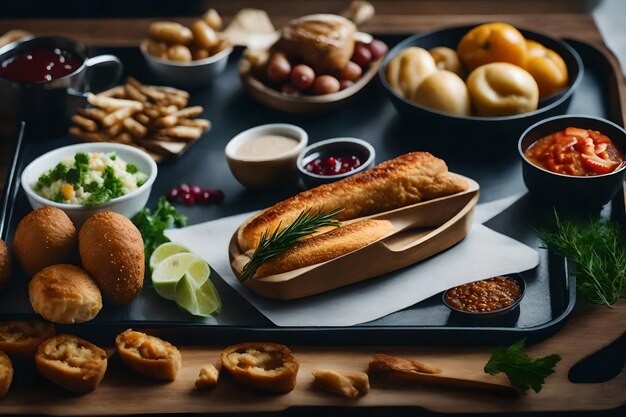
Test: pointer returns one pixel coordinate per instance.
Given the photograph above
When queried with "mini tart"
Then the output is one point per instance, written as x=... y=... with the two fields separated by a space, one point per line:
x=149 y=355
x=72 y=363
x=6 y=373
x=22 y=338
x=264 y=366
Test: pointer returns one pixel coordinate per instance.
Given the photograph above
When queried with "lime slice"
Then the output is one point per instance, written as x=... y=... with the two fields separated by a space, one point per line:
x=171 y=270
x=200 y=300
x=163 y=252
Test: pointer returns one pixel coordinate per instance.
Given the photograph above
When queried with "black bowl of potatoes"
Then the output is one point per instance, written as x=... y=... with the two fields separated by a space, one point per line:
x=490 y=81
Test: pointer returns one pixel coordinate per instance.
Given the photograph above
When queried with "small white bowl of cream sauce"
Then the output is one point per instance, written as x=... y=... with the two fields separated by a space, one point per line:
x=265 y=156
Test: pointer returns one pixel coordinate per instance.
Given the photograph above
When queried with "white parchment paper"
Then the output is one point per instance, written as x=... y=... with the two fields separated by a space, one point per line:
x=482 y=254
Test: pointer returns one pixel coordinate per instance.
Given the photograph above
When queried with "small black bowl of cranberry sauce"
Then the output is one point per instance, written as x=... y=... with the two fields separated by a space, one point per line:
x=333 y=159
x=488 y=297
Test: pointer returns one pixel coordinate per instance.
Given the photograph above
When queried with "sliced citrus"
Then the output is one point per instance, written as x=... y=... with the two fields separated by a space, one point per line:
x=200 y=300
x=172 y=269
x=163 y=252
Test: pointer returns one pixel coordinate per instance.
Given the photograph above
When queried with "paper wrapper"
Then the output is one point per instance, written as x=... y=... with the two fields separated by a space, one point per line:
x=482 y=254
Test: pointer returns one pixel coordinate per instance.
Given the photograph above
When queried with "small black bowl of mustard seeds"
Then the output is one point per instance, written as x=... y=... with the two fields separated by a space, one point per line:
x=488 y=297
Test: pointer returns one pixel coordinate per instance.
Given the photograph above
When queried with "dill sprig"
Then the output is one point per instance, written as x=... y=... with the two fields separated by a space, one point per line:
x=272 y=245
x=598 y=249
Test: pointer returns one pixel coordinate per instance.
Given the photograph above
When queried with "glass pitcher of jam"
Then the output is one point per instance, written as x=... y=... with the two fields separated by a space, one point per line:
x=43 y=80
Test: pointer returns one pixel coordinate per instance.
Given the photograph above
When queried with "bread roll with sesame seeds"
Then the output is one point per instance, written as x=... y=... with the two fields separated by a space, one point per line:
x=44 y=237
x=111 y=250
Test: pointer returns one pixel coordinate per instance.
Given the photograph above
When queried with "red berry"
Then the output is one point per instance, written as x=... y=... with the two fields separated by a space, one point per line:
x=172 y=195
x=183 y=188
x=362 y=56
x=204 y=197
x=188 y=199
x=217 y=195
x=195 y=190
x=377 y=48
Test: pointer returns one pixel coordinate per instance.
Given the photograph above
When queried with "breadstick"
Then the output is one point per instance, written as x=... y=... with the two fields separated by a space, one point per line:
x=203 y=124
x=189 y=112
x=93 y=113
x=135 y=128
x=117 y=92
x=114 y=129
x=99 y=136
x=167 y=121
x=118 y=115
x=182 y=132
x=113 y=103
x=134 y=93
x=142 y=118
x=85 y=123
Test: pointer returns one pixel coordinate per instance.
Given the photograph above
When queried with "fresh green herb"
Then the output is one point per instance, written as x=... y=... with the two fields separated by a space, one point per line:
x=47 y=178
x=111 y=188
x=598 y=249
x=58 y=198
x=152 y=225
x=132 y=169
x=73 y=176
x=523 y=371
x=81 y=158
x=279 y=241
x=113 y=157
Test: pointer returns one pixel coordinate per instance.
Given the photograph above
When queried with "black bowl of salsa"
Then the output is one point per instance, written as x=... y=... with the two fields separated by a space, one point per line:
x=575 y=163
x=491 y=297
x=334 y=159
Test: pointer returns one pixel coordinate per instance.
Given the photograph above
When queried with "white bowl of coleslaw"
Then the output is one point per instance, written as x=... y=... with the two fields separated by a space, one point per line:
x=103 y=177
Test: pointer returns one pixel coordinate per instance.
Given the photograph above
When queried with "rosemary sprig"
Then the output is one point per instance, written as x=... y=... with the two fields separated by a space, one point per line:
x=598 y=249
x=272 y=245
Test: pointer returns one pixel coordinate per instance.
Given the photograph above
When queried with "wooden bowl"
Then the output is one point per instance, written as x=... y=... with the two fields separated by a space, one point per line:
x=420 y=231
x=302 y=104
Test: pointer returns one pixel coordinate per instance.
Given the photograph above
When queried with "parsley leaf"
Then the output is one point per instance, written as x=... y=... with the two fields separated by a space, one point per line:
x=73 y=176
x=81 y=158
x=132 y=169
x=523 y=371
x=112 y=183
x=151 y=225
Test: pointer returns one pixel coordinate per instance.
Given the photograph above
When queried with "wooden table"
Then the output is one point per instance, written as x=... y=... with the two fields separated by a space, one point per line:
x=589 y=329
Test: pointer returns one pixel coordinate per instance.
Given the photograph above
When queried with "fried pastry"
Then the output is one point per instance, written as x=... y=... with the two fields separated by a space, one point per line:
x=71 y=362
x=5 y=265
x=148 y=355
x=264 y=366
x=399 y=182
x=22 y=338
x=326 y=246
x=208 y=376
x=6 y=373
x=347 y=383
x=64 y=294
x=44 y=237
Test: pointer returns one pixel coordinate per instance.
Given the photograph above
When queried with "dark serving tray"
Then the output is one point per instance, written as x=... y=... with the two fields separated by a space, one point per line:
x=550 y=293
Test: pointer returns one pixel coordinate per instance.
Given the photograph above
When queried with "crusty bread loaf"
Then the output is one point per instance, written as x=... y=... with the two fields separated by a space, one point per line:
x=402 y=181
x=64 y=294
x=327 y=246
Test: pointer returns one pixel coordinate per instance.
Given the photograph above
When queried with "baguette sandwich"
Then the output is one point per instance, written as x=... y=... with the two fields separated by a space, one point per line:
x=405 y=180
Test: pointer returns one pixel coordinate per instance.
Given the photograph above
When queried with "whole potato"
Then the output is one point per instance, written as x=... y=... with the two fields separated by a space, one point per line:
x=408 y=69
x=203 y=35
x=179 y=53
x=502 y=89
x=444 y=91
x=447 y=59
x=170 y=32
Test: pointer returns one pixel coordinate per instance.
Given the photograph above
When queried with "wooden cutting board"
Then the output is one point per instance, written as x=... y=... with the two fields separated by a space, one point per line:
x=123 y=392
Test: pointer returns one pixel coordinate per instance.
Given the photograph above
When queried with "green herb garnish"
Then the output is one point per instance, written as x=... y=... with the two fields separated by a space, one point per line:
x=132 y=169
x=57 y=173
x=81 y=158
x=279 y=241
x=523 y=371
x=152 y=225
x=598 y=249
x=111 y=188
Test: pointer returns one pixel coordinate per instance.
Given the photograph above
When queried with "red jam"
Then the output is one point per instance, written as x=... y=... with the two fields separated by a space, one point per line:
x=578 y=152
x=333 y=165
x=37 y=65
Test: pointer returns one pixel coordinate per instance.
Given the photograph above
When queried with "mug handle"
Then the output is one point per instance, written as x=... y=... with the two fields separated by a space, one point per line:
x=106 y=60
